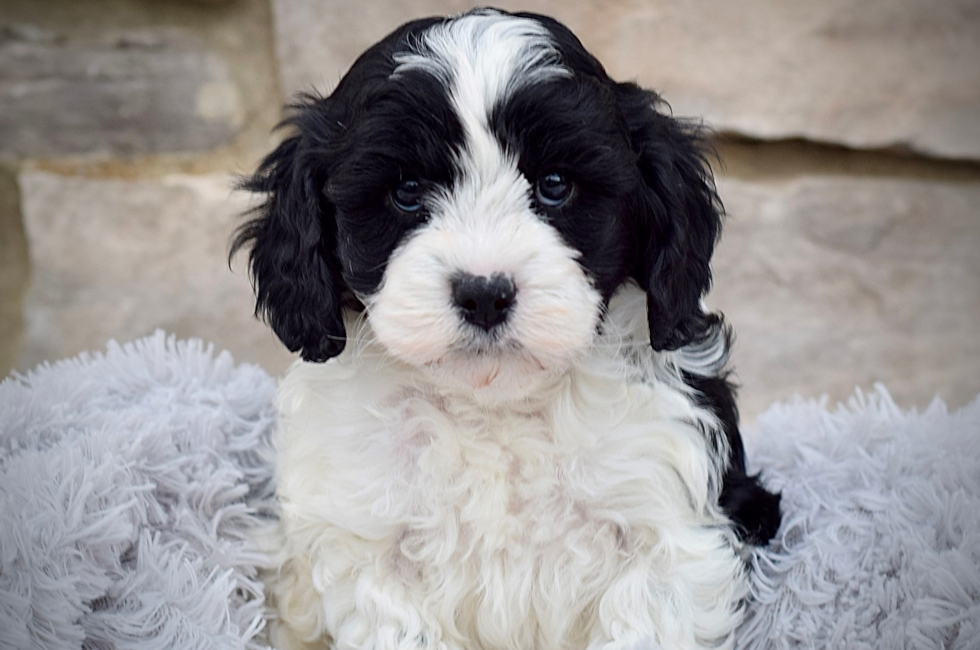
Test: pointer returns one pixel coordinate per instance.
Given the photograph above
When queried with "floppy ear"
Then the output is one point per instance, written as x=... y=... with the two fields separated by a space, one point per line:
x=678 y=219
x=293 y=263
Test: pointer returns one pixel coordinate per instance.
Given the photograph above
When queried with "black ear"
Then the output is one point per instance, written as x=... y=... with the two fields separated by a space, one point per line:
x=293 y=263
x=678 y=217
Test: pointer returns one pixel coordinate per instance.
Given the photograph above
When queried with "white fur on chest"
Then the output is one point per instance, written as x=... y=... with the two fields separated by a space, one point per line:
x=433 y=519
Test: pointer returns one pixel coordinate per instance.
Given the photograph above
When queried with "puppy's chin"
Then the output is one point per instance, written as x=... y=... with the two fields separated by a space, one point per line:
x=493 y=376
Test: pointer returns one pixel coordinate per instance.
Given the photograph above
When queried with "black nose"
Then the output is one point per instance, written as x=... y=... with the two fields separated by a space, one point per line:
x=484 y=302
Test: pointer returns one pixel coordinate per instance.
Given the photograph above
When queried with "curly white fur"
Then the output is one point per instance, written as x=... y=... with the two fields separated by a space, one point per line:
x=579 y=517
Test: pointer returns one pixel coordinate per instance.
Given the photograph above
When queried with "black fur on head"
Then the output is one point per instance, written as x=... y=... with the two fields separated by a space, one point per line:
x=677 y=212
x=296 y=261
x=292 y=262
x=679 y=219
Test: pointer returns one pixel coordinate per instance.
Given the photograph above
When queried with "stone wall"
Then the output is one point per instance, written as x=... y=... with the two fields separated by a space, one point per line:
x=849 y=132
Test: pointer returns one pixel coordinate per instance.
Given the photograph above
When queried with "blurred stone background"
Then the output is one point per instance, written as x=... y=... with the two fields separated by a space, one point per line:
x=849 y=132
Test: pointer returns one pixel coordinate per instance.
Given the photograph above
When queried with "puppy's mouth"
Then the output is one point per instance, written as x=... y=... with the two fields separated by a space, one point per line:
x=501 y=369
x=479 y=343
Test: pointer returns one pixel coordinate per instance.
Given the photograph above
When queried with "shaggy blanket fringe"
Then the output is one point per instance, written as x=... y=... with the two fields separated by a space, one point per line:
x=129 y=482
x=880 y=542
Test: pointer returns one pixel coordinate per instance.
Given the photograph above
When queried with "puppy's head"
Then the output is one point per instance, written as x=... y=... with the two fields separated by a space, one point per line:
x=481 y=187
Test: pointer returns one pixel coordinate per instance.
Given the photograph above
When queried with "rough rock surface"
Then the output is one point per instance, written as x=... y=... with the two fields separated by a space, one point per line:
x=833 y=282
x=862 y=73
x=119 y=259
x=145 y=93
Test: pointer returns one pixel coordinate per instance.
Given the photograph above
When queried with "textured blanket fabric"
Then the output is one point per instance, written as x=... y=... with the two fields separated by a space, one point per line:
x=129 y=481
x=880 y=545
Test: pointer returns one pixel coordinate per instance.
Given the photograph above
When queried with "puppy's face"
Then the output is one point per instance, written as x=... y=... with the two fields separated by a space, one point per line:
x=503 y=216
x=481 y=187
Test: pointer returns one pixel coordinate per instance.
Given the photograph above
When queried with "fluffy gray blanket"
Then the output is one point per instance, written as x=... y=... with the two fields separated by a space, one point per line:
x=129 y=481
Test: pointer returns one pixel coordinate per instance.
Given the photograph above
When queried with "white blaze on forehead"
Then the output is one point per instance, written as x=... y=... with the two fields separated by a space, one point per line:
x=482 y=58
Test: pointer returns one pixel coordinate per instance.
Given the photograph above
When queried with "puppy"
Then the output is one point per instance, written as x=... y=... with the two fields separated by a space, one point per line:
x=511 y=427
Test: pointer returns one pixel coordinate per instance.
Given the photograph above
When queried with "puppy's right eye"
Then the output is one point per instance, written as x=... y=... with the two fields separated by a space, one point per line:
x=407 y=197
x=552 y=190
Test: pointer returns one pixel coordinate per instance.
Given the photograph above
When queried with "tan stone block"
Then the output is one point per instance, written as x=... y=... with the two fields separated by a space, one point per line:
x=149 y=91
x=863 y=73
x=119 y=259
x=833 y=282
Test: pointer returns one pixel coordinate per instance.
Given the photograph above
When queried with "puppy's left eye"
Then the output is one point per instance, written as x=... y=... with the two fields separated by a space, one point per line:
x=552 y=190
x=407 y=197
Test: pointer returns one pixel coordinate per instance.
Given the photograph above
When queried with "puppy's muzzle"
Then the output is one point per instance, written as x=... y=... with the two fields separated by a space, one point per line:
x=481 y=301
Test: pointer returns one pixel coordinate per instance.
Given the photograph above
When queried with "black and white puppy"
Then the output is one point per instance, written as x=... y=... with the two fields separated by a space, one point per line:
x=523 y=438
